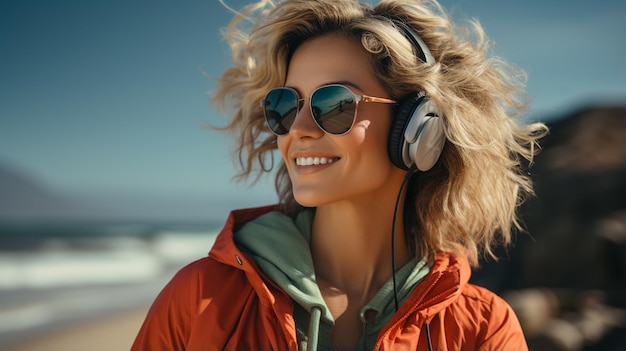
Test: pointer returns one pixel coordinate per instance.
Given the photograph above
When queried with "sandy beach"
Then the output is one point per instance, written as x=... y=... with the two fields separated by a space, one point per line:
x=109 y=333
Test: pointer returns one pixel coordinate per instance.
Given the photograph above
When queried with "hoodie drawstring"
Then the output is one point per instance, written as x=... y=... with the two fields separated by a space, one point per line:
x=314 y=328
x=430 y=344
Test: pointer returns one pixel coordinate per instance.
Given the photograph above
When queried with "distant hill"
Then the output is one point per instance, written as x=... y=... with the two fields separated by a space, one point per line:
x=24 y=197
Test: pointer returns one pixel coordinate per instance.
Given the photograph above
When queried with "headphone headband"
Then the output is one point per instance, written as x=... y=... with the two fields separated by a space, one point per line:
x=423 y=52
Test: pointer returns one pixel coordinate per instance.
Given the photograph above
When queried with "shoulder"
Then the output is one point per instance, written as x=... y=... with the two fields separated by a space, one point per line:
x=483 y=304
x=199 y=269
x=202 y=278
x=482 y=313
x=182 y=293
x=482 y=297
x=197 y=285
x=194 y=296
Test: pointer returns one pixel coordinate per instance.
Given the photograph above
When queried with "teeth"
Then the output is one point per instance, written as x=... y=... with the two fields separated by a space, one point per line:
x=310 y=161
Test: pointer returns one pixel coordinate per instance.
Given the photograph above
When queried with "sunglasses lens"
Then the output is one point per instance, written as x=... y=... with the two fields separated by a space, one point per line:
x=280 y=107
x=334 y=108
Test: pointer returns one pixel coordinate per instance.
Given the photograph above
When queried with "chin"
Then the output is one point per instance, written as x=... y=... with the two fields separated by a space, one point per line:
x=306 y=201
x=310 y=198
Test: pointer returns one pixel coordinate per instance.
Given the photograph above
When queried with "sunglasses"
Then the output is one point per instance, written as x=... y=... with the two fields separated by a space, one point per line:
x=333 y=108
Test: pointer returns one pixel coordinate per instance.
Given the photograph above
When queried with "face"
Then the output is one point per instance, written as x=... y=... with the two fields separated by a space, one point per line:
x=327 y=168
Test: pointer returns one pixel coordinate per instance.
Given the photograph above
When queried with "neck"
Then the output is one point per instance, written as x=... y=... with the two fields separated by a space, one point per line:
x=351 y=244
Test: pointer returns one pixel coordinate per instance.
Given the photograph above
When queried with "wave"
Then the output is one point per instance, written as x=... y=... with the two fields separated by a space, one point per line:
x=90 y=260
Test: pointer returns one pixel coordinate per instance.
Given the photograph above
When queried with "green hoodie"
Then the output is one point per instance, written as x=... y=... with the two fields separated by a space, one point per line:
x=280 y=247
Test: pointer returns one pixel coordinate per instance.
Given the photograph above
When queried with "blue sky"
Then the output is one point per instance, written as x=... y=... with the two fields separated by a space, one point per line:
x=108 y=100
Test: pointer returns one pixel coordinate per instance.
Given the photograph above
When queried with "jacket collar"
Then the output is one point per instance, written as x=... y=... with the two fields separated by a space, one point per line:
x=443 y=285
x=448 y=275
x=224 y=248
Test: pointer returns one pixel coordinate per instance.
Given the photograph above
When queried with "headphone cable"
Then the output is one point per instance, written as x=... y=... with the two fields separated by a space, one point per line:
x=408 y=175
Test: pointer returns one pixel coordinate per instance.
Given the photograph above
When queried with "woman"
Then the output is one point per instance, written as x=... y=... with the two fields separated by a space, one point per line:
x=358 y=100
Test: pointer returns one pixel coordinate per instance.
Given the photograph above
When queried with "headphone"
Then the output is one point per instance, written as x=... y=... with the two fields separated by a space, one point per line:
x=416 y=136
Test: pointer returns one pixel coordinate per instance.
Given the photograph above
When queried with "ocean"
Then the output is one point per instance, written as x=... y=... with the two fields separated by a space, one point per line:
x=53 y=275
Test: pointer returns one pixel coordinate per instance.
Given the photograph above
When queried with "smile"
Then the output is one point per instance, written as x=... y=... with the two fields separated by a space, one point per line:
x=312 y=161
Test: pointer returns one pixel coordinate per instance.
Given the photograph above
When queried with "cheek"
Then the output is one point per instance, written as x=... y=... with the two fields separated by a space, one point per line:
x=370 y=140
x=283 y=146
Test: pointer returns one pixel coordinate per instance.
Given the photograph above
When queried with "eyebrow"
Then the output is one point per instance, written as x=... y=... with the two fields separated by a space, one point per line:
x=346 y=83
x=341 y=82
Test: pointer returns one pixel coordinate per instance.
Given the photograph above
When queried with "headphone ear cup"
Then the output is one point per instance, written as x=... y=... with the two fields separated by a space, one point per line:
x=396 y=141
x=417 y=135
x=426 y=149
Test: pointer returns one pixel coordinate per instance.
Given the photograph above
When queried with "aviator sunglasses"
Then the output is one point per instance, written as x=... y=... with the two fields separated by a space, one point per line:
x=332 y=106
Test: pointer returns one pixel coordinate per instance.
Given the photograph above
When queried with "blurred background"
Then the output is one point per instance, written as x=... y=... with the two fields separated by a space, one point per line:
x=110 y=180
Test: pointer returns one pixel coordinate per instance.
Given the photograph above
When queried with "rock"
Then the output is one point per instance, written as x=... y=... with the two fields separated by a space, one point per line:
x=566 y=276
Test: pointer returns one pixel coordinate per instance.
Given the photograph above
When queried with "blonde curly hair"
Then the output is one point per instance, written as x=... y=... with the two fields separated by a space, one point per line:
x=467 y=202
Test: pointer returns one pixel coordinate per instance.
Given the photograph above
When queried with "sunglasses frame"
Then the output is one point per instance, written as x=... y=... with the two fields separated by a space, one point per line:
x=299 y=105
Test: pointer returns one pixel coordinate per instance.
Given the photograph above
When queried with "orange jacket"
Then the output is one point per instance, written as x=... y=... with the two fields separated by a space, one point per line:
x=224 y=302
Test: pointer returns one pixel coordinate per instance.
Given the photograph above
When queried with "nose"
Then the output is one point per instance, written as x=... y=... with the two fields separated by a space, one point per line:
x=304 y=125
